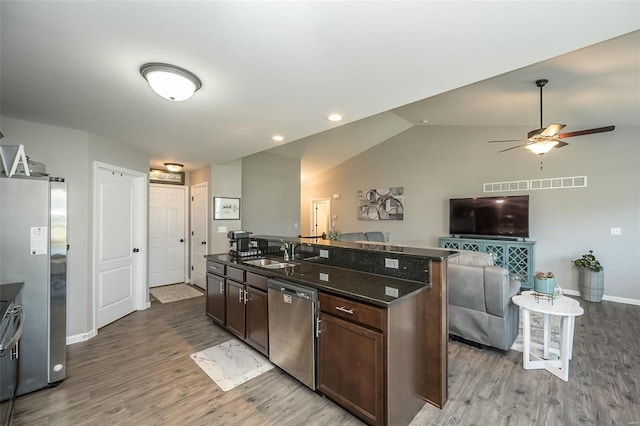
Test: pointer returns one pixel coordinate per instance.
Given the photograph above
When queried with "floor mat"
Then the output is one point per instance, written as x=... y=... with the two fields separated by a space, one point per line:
x=174 y=292
x=231 y=363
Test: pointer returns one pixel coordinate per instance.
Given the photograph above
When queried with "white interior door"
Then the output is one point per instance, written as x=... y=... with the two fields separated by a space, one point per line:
x=166 y=234
x=320 y=216
x=119 y=250
x=199 y=232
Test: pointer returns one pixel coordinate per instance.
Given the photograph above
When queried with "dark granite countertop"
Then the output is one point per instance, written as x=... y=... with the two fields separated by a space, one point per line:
x=370 y=288
x=371 y=246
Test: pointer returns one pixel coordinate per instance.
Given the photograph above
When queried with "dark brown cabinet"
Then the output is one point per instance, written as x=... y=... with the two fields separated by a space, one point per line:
x=216 y=291
x=370 y=358
x=350 y=367
x=257 y=325
x=247 y=314
x=236 y=308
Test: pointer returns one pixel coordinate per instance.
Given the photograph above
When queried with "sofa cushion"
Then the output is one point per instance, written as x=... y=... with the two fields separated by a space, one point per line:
x=375 y=236
x=472 y=258
x=353 y=236
x=466 y=287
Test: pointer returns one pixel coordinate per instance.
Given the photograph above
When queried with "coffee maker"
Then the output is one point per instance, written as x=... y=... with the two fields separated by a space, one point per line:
x=240 y=243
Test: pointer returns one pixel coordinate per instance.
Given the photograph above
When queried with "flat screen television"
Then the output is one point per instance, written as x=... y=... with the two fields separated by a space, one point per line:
x=490 y=216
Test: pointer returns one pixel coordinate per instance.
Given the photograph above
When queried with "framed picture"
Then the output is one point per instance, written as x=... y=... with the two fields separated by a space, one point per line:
x=381 y=204
x=167 y=177
x=226 y=208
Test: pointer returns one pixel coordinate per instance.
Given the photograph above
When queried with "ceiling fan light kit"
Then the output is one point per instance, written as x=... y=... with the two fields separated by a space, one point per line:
x=542 y=140
x=541 y=147
x=169 y=81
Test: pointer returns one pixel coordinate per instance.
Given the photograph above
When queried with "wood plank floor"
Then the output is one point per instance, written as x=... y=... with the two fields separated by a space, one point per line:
x=138 y=371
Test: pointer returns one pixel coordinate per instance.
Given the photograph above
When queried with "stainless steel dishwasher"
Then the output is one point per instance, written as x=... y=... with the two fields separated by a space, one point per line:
x=293 y=314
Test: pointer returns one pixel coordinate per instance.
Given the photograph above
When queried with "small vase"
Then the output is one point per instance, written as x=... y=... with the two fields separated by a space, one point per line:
x=544 y=285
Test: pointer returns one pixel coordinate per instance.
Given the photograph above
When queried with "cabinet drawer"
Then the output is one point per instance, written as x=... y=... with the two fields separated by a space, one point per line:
x=257 y=281
x=354 y=311
x=215 y=268
x=235 y=273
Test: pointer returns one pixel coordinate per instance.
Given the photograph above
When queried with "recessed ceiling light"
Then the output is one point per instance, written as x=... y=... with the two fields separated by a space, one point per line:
x=335 y=117
x=277 y=138
x=169 y=81
x=424 y=122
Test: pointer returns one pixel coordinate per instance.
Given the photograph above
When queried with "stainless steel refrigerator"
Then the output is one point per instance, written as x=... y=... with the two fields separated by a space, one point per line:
x=33 y=250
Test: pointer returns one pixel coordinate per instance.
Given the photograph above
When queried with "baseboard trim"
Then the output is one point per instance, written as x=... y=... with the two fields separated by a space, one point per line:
x=625 y=300
x=82 y=337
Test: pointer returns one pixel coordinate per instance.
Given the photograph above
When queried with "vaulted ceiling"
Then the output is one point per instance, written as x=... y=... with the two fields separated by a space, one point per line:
x=280 y=67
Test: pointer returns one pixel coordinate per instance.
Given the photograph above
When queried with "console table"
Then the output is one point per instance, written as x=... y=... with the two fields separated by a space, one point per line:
x=515 y=256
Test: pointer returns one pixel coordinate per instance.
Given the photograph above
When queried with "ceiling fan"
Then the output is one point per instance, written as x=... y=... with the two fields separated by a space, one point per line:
x=542 y=140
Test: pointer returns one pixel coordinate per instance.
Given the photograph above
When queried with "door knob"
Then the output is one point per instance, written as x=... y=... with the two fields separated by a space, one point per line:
x=182 y=240
x=136 y=250
x=203 y=243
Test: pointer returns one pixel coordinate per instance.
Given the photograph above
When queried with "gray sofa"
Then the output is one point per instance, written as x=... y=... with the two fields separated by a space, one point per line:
x=362 y=236
x=480 y=306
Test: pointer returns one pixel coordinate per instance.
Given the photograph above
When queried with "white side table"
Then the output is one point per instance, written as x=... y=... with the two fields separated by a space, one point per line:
x=568 y=309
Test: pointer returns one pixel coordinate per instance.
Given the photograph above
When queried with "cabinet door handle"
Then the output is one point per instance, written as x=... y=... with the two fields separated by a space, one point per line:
x=221 y=287
x=246 y=296
x=318 y=331
x=240 y=295
x=345 y=310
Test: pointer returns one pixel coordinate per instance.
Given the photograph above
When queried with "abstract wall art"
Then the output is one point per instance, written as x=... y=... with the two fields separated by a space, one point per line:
x=381 y=204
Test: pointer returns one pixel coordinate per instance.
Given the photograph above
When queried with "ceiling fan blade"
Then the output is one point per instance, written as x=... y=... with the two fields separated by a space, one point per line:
x=586 y=132
x=552 y=130
x=561 y=144
x=513 y=147
x=507 y=140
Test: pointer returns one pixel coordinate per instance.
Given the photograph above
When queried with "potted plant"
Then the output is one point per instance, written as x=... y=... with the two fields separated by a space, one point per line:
x=544 y=282
x=591 y=278
x=334 y=235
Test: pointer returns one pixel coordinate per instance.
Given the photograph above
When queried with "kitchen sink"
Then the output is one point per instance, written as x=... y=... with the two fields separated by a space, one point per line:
x=270 y=263
x=280 y=265
x=262 y=262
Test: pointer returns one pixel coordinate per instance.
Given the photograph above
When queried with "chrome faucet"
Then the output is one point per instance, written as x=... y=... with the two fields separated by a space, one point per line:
x=289 y=250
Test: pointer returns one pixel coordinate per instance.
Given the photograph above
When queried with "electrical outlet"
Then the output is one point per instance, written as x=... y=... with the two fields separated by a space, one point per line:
x=390 y=291
x=615 y=231
x=324 y=253
x=222 y=229
x=391 y=263
x=324 y=277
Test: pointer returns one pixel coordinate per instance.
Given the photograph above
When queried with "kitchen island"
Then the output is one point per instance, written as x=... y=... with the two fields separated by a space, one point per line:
x=382 y=336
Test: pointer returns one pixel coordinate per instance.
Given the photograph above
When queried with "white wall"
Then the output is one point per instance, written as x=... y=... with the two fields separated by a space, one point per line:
x=226 y=181
x=70 y=153
x=434 y=164
x=271 y=195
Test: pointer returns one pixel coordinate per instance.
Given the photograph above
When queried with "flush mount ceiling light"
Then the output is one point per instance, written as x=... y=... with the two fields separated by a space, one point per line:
x=277 y=138
x=169 y=81
x=335 y=117
x=174 y=167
